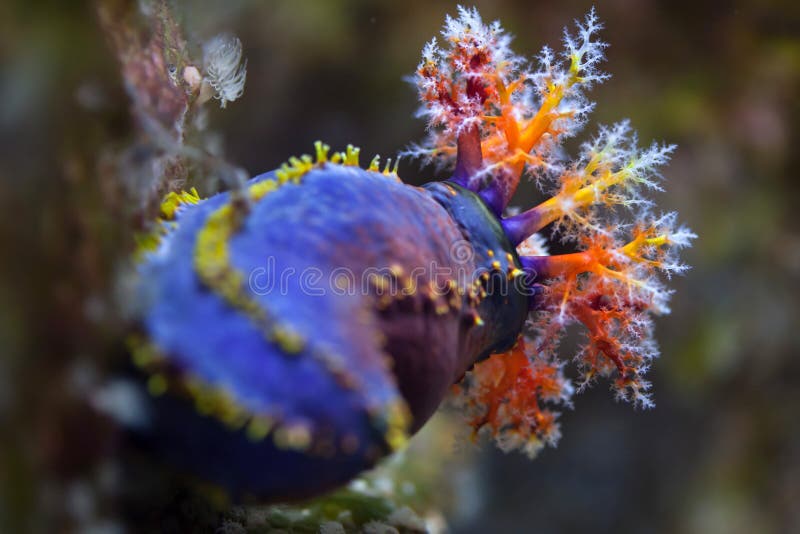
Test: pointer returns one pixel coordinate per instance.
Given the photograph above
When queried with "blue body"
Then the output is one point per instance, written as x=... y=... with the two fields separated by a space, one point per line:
x=362 y=358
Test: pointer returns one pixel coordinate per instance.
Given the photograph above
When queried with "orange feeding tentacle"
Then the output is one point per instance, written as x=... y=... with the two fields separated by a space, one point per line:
x=477 y=82
x=506 y=397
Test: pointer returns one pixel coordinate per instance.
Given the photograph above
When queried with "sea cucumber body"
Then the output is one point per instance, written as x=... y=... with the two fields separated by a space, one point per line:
x=360 y=305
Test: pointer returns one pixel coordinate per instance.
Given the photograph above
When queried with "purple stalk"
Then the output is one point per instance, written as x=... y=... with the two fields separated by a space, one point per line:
x=519 y=227
x=469 y=159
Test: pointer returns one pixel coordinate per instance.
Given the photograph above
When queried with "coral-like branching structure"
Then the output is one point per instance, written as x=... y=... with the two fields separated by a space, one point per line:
x=494 y=119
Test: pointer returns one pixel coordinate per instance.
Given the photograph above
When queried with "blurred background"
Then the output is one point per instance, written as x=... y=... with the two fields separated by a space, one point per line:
x=721 y=450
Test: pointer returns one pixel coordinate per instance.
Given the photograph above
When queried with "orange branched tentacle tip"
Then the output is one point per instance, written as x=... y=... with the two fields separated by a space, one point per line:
x=506 y=396
x=503 y=117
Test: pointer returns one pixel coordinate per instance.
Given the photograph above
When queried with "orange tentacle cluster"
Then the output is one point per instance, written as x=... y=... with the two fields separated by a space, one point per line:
x=496 y=118
x=505 y=396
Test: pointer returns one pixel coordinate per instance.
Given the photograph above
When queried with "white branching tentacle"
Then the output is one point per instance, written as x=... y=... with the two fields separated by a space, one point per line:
x=224 y=69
